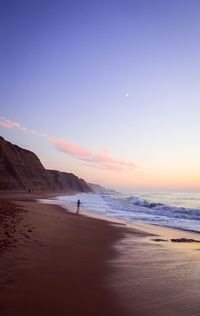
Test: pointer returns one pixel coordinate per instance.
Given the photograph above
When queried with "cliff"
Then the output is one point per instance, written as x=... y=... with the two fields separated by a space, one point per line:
x=21 y=169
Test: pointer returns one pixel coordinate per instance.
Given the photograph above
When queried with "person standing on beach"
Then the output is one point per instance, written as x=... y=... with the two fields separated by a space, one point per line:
x=78 y=206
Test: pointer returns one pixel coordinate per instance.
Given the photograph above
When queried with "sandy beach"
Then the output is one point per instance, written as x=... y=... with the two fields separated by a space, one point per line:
x=54 y=262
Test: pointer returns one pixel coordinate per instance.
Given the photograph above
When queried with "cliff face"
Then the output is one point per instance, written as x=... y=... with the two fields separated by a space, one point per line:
x=21 y=169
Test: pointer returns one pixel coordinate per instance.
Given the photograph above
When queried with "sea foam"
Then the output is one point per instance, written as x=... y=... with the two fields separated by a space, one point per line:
x=149 y=210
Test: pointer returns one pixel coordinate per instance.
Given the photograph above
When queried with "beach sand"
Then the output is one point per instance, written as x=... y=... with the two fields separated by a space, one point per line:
x=53 y=262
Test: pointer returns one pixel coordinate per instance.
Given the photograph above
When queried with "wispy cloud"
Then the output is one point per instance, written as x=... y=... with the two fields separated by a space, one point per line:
x=103 y=159
x=5 y=124
x=9 y=124
x=99 y=160
x=71 y=149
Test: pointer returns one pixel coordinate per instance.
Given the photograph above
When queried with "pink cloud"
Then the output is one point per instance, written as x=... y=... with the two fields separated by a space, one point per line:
x=23 y=129
x=34 y=132
x=12 y=123
x=99 y=160
x=71 y=149
x=9 y=124
x=104 y=158
x=105 y=161
x=5 y=124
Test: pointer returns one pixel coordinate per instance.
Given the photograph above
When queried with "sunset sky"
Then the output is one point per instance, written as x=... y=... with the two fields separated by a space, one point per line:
x=108 y=90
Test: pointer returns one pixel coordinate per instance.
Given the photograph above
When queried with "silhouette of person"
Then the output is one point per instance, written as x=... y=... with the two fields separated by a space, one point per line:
x=78 y=206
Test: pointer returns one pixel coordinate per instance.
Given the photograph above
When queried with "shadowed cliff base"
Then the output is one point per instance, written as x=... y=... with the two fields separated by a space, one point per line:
x=21 y=169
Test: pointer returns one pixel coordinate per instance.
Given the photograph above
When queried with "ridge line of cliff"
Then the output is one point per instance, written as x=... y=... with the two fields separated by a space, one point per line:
x=21 y=169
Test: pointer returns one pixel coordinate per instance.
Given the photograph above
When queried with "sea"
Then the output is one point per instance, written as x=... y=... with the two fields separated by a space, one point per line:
x=170 y=209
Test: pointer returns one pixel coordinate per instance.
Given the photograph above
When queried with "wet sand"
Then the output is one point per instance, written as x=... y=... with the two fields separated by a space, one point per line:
x=158 y=277
x=53 y=262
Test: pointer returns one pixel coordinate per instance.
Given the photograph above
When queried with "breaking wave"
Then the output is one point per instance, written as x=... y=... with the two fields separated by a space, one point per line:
x=133 y=208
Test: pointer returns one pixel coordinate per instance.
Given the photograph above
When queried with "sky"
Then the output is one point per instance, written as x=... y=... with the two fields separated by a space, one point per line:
x=108 y=90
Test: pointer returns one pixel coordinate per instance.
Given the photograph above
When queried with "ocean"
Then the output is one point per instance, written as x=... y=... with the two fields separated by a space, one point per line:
x=176 y=210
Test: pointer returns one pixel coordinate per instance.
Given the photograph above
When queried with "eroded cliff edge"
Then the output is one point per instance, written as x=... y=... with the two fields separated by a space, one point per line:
x=21 y=169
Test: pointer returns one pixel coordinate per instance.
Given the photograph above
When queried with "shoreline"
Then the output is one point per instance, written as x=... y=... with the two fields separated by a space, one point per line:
x=68 y=263
x=100 y=213
x=151 y=229
x=58 y=264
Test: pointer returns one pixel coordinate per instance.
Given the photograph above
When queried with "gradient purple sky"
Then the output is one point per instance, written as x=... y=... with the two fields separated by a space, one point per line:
x=108 y=90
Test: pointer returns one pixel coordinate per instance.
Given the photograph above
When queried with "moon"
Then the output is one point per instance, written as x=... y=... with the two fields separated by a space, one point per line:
x=126 y=94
